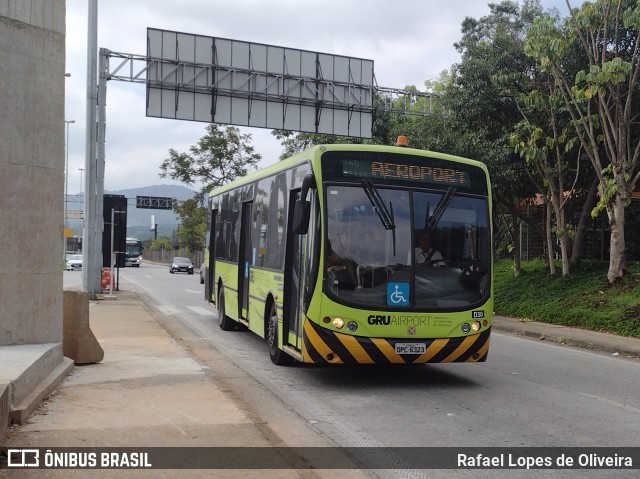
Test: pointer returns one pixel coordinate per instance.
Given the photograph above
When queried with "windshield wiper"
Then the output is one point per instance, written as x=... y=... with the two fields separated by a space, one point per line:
x=378 y=205
x=440 y=208
x=385 y=215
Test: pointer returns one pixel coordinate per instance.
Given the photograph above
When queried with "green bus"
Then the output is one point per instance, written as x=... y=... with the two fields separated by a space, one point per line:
x=356 y=254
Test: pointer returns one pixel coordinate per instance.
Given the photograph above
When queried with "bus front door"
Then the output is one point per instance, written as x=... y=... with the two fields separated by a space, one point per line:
x=210 y=266
x=294 y=269
x=244 y=260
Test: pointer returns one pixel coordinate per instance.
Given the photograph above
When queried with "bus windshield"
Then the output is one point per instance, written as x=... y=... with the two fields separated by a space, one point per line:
x=134 y=248
x=411 y=248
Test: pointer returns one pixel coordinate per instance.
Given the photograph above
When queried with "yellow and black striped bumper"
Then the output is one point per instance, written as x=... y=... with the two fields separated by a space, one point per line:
x=322 y=346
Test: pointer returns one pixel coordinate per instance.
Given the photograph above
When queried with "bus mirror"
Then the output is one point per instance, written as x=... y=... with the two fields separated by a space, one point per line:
x=302 y=209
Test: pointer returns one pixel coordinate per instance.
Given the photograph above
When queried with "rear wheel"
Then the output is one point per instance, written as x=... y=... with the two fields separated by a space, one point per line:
x=277 y=355
x=224 y=321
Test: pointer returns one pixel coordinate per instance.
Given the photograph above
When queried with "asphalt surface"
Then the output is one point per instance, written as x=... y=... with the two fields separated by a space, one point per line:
x=154 y=390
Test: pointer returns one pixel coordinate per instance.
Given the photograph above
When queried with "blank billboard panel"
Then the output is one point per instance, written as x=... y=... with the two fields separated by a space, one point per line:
x=217 y=80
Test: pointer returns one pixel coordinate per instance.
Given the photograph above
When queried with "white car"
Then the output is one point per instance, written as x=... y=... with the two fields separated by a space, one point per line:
x=74 y=262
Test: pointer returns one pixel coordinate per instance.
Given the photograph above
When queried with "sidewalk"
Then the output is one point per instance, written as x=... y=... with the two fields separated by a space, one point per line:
x=153 y=391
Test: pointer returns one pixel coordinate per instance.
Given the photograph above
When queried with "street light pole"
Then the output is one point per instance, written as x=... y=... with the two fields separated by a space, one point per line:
x=82 y=205
x=66 y=185
x=81 y=184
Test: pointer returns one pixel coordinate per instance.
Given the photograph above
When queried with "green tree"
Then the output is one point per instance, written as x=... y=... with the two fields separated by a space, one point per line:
x=545 y=139
x=602 y=99
x=483 y=116
x=544 y=148
x=220 y=156
x=161 y=243
x=193 y=223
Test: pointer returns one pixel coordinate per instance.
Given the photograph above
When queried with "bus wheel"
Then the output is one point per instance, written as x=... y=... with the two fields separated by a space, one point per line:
x=224 y=321
x=278 y=356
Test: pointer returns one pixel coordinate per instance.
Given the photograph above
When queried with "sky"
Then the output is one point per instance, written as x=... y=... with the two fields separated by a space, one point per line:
x=410 y=41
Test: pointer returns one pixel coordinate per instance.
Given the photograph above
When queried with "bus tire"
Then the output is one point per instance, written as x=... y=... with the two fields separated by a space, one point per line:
x=277 y=355
x=224 y=321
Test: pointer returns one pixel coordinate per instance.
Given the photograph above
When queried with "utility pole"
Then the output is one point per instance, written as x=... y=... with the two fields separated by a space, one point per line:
x=91 y=274
x=66 y=187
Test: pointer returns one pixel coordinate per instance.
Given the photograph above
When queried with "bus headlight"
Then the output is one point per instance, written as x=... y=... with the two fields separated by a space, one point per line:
x=352 y=326
x=465 y=328
x=475 y=326
x=338 y=323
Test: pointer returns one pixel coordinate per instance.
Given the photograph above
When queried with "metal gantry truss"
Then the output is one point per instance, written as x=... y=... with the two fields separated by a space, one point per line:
x=154 y=202
x=262 y=86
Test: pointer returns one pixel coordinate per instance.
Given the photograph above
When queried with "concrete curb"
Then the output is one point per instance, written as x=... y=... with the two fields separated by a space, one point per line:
x=5 y=409
x=564 y=335
x=21 y=411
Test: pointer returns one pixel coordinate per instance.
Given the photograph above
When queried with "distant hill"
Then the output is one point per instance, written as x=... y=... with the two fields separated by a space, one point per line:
x=138 y=220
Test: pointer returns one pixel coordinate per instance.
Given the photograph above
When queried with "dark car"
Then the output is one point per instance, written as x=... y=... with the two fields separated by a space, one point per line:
x=180 y=264
x=202 y=272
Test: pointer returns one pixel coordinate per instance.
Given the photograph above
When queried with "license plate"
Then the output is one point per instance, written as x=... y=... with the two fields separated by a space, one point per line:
x=410 y=348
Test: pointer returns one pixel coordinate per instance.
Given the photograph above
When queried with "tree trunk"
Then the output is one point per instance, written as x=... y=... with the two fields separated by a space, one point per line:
x=563 y=238
x=512 y=224
x=561 y=232
x=585 y=214
x=517 y=253
x=550 y=253
x=565 y=252
x=534 y=225
x=617 y=250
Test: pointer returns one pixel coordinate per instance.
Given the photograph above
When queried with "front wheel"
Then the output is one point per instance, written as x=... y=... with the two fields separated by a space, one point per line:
x=224 y=321
x=277 y=355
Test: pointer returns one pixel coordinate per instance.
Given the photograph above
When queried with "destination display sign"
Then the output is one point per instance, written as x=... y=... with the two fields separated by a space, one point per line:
x=404 y=171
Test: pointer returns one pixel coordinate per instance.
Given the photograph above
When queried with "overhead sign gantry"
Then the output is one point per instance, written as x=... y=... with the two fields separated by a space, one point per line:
x=217 y=80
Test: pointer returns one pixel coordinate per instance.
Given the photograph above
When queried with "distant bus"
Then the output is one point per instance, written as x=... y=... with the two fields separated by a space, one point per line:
x=274 y=239
x=133 y=252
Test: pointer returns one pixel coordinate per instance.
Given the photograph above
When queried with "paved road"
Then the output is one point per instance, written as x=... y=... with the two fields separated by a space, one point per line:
x=528 y=394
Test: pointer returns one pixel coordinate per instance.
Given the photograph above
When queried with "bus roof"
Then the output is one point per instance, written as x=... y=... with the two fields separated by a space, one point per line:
x=311 y=153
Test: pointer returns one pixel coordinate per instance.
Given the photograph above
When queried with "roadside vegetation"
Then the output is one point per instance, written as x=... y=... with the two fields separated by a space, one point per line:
x=555 y=118
x=583 y=299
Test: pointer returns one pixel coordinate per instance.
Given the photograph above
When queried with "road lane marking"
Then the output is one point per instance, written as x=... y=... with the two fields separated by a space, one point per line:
x=611 y=403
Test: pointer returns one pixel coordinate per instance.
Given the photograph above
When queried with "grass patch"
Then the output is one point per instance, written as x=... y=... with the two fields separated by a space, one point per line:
x=580 y=299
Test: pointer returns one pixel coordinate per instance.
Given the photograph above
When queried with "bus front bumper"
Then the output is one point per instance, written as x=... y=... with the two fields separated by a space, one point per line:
x=322 y=346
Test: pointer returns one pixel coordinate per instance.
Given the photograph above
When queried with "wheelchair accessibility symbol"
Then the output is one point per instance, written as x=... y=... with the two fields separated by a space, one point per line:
x=397 y=294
